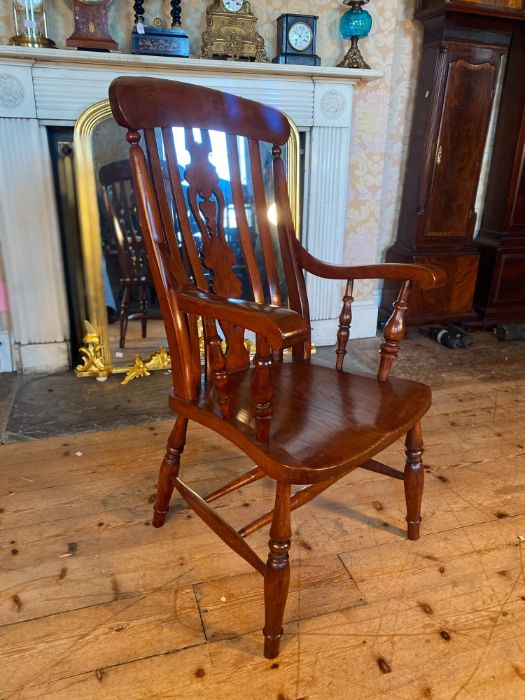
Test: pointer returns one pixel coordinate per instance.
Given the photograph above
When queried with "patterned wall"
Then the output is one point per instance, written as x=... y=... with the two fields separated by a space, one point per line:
x=382 y=109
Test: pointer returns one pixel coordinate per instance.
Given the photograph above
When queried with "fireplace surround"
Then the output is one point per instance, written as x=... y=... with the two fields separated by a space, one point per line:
x=41 y=88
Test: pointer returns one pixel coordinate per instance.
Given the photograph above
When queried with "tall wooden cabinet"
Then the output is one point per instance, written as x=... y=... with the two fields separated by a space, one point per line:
x=463 y=46
x=500 y=288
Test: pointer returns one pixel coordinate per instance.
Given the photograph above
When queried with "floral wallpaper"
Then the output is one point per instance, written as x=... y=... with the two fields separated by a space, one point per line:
x=382 y=108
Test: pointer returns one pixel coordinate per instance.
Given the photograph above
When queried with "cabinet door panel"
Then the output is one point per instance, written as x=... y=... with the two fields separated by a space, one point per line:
x=466 y=114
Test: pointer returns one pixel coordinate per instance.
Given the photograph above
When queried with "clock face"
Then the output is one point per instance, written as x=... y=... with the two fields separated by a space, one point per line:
x=233 y=5
x=300 y=36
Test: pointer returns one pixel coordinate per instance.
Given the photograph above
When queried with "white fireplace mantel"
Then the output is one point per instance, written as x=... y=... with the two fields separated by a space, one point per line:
x=42 y=87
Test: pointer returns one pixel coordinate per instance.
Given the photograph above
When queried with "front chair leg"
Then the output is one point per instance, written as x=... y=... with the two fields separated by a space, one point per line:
x=169 y=470
x=277 y=574
x=413 y=480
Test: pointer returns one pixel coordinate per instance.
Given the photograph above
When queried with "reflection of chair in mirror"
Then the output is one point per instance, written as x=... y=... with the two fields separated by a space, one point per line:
x=300 y=422
x=125 y=240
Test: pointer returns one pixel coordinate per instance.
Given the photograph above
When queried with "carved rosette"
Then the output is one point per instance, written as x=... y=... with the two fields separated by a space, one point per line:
x=333 y=104
x=11 y=91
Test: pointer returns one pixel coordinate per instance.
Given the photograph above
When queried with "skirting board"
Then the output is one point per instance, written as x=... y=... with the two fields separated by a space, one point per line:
x=44 y=357
x=364 y=324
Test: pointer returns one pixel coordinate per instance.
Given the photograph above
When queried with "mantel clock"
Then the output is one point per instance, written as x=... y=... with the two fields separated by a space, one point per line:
x=231 y=32
x=296 y=39
x=91 y=26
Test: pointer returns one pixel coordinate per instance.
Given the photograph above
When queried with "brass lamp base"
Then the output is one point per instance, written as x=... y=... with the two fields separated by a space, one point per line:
x=30 y=42
x=354 y=57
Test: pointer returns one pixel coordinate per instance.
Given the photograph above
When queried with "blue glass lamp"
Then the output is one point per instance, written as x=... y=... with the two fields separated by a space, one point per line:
x=355 y=24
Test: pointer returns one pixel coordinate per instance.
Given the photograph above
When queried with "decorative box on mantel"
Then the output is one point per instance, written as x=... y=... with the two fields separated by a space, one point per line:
x=39 y=88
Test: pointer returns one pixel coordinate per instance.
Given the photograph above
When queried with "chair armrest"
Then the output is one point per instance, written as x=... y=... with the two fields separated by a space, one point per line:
x=428 y=276
x=281 y=327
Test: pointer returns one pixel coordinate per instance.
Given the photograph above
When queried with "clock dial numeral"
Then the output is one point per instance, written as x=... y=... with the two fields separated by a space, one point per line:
x=233 y=5
x=300 y=36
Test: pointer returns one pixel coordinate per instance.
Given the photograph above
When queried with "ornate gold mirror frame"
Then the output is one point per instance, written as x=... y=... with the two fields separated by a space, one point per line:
x=96 y=354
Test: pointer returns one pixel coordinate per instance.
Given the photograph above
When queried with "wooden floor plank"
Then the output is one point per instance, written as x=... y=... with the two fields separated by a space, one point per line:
x=234 y=605
x=95 y=602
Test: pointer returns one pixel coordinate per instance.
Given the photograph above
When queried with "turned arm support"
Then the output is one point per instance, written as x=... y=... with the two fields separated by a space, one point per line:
x=275 y=328
x=427 y=276
x=281 y=327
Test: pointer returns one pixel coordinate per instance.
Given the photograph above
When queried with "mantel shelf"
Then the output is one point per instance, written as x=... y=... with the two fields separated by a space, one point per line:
x=71 y=58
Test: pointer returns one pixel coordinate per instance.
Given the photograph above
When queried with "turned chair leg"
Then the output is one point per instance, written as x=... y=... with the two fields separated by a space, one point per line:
x=277 y=574
x=124 y=312
x=413 y=480
x=144 y=311
x=169 y=470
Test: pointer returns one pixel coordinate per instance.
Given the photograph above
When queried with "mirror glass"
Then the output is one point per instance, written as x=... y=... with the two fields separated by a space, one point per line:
x=122 y=303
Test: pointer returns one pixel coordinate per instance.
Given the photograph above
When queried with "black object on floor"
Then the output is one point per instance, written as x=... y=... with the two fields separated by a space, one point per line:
x=465 y=341
x=441 y=335
x=510 y=332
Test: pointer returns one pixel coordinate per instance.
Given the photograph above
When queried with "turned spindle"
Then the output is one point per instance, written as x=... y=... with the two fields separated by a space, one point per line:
x=394 y=332
x=345 y=321
x=262 y=390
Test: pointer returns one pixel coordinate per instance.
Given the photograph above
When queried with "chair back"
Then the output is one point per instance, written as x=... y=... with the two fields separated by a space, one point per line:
x=118 y=197
x=203 y=229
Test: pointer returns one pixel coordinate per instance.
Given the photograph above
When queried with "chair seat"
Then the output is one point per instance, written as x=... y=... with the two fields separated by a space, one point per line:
x=324 y=422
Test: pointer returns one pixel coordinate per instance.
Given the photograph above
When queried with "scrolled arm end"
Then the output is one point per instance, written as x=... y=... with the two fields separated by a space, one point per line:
x=281 y=327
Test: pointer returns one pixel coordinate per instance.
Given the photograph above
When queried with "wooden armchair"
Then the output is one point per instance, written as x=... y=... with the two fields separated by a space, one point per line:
x=119 y=202
x=301 y=423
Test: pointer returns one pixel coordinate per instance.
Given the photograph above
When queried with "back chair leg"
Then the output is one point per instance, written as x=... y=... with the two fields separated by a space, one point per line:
x=144 y=311
x=413 y=480
x=169 y=470
x=277 y=574
x=124 y=312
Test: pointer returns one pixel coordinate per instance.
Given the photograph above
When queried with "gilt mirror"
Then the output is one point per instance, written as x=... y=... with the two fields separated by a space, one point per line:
x=124 y=332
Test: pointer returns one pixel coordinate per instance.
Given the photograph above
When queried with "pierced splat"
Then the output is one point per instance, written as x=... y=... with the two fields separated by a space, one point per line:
x=207 y=204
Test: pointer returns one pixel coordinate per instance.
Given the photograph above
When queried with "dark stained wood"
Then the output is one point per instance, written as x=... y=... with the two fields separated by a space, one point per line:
x=413 y=480
x=463 y=47
x=345 y=321
x=394 y=333
x=145 y=103
x=500 y=287
x=169 y=470
x=379 y=468
x=126 y=240
x=254 y=474
x=277 y=573
x=219 y=526
x=262 y=390
x=300 y=423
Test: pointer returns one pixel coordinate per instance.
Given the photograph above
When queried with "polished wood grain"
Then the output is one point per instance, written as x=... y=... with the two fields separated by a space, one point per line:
x=174 y=613
x=465 y=46
x=299 y=422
